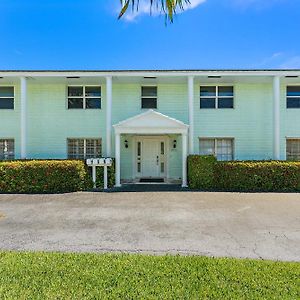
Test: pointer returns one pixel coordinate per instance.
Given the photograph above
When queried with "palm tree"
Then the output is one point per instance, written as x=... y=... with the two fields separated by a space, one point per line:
x=168 y=7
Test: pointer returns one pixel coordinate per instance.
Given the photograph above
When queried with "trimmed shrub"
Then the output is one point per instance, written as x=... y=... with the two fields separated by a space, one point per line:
x=258 y=176
x=205 y=173
x=201 y=171
x=44 y=176
x=110 y=175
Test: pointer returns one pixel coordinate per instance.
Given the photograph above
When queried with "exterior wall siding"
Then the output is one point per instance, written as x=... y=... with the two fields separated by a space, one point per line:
x=250 y=123
x=50 y=123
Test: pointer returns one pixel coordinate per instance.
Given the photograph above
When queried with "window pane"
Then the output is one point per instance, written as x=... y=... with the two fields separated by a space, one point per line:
x=207 y=91
x=76 y=148
x=207 y=103
x=149 y=103
x=293 y=103
x=6 y=103
x=93 y=103
x=93 y=91
x=207 y=146
x=93 y=148
x=226 y=91
x=162 y=148
x=75 y=91
x=293 y=91
x=149 y=91
x=75 y=103
x=293 y=149
x=7 y=149
x=6 y=91
x=225 y=103
x=224 y=149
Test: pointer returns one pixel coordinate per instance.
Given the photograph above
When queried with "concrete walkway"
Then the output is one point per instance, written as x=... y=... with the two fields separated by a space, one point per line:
x=214 y=224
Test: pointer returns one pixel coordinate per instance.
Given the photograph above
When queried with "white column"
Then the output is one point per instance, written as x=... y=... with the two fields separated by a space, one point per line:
x=118 y=159
x=23 y=117
x=108 y=115
x=276 y=118
x=191 y=113
x=184 y=160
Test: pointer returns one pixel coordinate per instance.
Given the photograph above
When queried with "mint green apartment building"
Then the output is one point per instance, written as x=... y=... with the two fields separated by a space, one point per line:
x=151 y=120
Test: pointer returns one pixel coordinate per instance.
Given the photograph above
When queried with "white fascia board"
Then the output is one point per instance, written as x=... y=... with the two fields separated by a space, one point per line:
x=149 y=73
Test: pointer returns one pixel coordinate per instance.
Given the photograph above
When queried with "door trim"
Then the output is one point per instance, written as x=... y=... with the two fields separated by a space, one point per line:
x=135 y=138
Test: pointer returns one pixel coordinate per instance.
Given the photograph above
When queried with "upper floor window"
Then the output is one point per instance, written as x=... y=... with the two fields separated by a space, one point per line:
x=7 y=97
x=293 y=96
x=149 y=97
x=84 y=148
x=7 y=149
x=293 y=149
x=84 y=97
x=216 y=97
x=222 y=148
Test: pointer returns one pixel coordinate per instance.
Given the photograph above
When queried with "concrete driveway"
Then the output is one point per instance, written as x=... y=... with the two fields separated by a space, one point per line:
x=215 y=224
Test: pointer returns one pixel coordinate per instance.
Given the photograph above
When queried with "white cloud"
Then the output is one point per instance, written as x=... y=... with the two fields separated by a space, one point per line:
x=144 y=8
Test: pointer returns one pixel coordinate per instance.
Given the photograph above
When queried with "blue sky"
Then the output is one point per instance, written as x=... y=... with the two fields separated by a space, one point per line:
x=85 y=34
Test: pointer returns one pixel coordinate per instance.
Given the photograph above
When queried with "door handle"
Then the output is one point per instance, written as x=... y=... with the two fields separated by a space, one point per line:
x=157 y=159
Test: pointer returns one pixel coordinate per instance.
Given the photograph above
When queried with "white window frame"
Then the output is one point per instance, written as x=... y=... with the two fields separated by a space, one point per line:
x=148 y=97
x=14 y=97
x=14 y=151
x=83 y=95
x=217 y=95
x=84 y=145
x=295 y=97
x=215 y=139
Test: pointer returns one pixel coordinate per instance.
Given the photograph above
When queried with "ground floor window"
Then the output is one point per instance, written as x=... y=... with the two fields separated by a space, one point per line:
x=293 y=149
x=7 y=149
x=84 y=148
x=222 y=148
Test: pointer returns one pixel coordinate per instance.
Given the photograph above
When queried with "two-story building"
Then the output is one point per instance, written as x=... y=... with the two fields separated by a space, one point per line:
x=150 y=120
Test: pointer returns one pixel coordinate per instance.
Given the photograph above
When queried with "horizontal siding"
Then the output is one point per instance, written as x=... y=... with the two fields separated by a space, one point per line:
x=250 y=123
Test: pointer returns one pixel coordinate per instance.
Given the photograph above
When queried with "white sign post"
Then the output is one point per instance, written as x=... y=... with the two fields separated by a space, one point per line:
x=99 y=162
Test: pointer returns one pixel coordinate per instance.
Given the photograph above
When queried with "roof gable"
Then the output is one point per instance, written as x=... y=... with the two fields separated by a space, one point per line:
x=151 y=121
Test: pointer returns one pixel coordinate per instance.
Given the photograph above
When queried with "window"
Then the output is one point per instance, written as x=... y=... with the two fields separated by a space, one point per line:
x=7 y=97
x=216 y=97
x=221 y=148
x=7 y=149
x=293 y=149
x=84 y=148
x=293 y=97
x=149 y=97
x=84 y=97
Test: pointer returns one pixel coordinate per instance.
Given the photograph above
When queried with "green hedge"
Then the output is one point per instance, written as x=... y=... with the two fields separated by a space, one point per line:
x=44 y=176
x=258 y=176
x=201 y=172
x=205 y=173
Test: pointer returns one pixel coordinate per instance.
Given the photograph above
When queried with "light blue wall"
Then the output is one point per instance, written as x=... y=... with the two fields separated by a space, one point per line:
x=250 y=123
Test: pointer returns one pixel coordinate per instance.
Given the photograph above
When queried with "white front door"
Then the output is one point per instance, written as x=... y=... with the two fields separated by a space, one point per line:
x=150 y=158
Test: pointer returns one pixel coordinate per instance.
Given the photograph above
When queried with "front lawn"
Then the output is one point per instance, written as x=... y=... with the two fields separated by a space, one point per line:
x=101 y=276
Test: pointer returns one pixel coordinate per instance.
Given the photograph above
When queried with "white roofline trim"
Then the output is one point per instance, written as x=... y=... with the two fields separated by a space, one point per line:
x=149 y=73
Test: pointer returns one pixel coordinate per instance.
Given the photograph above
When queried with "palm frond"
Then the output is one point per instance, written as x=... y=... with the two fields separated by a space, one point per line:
x=167 y=7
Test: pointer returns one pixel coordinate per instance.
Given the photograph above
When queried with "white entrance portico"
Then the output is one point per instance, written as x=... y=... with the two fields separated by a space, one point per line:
x=150 y=127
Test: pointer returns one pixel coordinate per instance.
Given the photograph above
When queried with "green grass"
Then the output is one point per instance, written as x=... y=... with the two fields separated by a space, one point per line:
x=97 y=276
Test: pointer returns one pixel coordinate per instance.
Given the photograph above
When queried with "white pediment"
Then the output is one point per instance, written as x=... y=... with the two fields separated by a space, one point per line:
x=151 y=122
